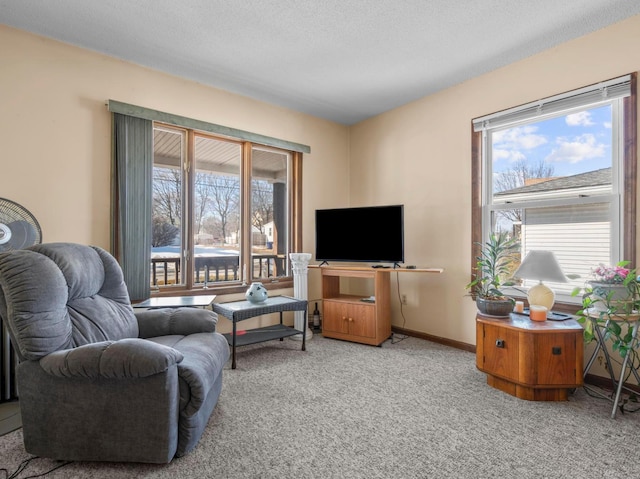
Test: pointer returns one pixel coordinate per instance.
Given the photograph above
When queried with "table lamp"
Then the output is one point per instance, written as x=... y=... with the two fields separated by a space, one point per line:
x=541 y=266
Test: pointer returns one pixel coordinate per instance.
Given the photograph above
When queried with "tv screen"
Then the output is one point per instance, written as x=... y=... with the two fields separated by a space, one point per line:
x=370 y=234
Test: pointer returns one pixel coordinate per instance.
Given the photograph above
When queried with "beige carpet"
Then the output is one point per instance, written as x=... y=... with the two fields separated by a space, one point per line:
x=412 y=409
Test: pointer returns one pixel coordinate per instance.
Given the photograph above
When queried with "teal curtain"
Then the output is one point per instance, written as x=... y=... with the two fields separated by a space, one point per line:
x=132 y=197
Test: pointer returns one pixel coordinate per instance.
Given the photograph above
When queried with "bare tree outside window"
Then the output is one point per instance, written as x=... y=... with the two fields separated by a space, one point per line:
x=522 y=173
x=167 y=206
x=205 y=191
x=262 y=201
x=167 y=194
x=224 y=204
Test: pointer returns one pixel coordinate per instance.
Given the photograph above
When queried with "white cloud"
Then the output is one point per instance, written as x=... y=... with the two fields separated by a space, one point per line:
x=575 y=150
x=508 y=144
x=518 y=138
x=582 y=118
x=607 y=125
x=510 y=155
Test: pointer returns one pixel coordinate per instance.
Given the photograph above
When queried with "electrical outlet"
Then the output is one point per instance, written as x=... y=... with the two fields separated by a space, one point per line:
x=403 y=299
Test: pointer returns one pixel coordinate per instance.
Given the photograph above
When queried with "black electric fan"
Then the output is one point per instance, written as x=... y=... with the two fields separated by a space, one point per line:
x=18 y=227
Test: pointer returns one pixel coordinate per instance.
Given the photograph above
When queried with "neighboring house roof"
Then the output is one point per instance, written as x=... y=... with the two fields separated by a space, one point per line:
x=582 y=180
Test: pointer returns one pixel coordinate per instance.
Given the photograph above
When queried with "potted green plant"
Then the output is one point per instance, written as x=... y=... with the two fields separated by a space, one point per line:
x=610 y=300
x=493 y=266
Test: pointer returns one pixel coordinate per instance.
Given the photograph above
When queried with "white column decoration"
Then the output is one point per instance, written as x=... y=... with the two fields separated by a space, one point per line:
x=300 y=266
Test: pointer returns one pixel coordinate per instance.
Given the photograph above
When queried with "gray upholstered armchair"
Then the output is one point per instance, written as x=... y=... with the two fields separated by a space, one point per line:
x=96 y=380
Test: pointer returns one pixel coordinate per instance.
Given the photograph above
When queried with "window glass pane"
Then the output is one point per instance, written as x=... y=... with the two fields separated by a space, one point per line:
x=216 y=210
x=567 y=155
x=269 y=212
x=548 y=169
x=578 y=235
x=167 y=185
x=201 y=192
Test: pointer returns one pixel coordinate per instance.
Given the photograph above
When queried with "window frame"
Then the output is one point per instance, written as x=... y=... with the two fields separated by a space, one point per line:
x=124 y=230
x=628 y=157
x=245 y=178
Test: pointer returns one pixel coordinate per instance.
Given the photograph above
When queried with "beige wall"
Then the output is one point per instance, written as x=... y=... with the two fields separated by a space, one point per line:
x=420 y=155
x=55 y=138
x=55 y=132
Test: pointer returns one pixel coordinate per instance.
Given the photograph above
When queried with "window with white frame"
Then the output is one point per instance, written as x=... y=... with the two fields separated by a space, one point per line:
x=559 y=174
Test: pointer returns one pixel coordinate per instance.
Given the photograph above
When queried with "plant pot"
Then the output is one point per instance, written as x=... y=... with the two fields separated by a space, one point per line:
x=616 y=297
x=495 y=307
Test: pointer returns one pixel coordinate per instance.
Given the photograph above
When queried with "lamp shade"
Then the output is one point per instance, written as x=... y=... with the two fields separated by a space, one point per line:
x=542 y=266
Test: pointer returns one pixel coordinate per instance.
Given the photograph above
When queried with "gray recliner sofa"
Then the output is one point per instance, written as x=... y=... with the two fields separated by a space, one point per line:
x=98 y=381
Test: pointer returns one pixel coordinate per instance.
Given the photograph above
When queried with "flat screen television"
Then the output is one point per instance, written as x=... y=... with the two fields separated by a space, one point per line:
x=373 y=234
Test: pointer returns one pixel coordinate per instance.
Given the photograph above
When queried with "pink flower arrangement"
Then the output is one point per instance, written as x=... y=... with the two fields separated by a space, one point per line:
x=610 y=274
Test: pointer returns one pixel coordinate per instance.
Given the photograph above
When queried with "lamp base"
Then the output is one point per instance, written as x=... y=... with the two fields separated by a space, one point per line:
x=541 y=295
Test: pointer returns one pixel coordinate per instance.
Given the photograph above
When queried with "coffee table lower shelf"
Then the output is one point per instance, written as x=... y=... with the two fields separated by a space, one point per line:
x=238 y=311
x=259 y=335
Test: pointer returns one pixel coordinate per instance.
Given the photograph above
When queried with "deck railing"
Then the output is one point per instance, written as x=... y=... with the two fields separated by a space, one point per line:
x=216 y=268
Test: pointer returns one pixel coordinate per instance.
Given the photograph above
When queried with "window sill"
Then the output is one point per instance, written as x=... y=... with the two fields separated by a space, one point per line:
x=270 y=285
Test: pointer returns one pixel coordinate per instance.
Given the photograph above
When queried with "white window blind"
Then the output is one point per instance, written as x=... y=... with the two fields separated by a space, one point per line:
x=592 y=94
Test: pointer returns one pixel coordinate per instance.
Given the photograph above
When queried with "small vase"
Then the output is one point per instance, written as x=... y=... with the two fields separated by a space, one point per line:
x=256 y=293
x=616 y=297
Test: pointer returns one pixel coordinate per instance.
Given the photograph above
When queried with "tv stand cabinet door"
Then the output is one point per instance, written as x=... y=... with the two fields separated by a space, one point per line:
x=362 y=321
x=335 y=318
x=349 y=321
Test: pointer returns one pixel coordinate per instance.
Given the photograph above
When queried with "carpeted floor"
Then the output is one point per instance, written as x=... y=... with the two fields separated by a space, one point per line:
x=409 y=409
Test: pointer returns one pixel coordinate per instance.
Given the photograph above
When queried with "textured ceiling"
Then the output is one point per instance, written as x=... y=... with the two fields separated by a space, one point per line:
x=343 y=60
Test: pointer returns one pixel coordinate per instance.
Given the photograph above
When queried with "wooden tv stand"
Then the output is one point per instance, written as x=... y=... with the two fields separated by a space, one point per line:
x=349 y=317
x=352 y=317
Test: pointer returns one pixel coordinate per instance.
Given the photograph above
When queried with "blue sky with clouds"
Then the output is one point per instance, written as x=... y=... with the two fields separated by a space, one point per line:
x=571 y=144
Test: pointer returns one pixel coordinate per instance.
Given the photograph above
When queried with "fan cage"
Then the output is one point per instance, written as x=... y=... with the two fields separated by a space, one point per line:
x=18 y=227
